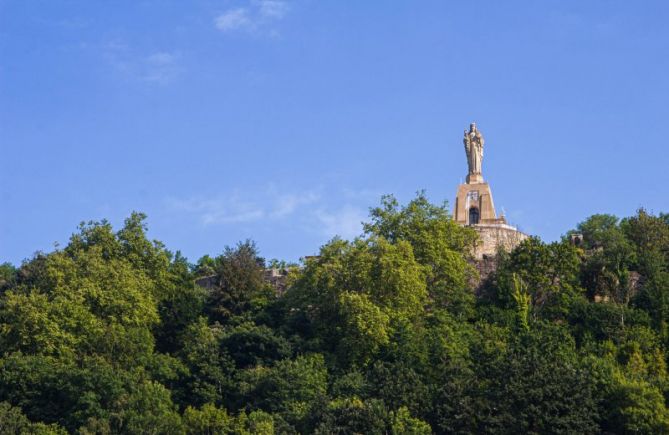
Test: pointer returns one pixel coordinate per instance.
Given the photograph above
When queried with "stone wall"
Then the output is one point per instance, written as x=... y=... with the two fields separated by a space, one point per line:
x=496 y=236
x=277 y=278
x=492 y=238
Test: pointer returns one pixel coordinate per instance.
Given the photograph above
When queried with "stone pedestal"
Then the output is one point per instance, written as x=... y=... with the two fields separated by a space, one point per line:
x=474 y=179
x=474 y=205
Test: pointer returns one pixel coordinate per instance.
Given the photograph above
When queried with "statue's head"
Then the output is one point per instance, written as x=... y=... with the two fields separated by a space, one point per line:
x=472 y=126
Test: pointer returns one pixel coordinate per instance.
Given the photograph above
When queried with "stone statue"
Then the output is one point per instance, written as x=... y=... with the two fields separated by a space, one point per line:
x=474 y=148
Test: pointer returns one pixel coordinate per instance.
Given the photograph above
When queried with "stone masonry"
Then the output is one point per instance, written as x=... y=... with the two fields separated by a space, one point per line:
x=474 y=207
x=496 y=236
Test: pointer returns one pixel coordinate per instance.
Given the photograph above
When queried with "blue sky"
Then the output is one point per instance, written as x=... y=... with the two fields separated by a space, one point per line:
x=284 y=121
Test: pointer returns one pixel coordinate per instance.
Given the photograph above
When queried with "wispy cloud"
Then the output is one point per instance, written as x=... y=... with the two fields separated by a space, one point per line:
x=316 y=212
x=286 y=204
x=239 y=208
x=72 y=22
x=159 y=67
x=256 y=17
x=272 y=9
x=219 y=210
x=234 y=19
x=161 y=59
x=345 y=222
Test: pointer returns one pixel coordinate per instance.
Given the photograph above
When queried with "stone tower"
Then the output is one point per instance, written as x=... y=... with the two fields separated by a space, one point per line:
x=474 y=205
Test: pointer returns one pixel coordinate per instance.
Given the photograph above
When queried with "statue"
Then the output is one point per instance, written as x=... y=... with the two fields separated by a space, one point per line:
x=474 y=148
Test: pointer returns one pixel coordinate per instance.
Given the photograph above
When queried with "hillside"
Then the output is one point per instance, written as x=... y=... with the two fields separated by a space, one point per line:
x=379 y=335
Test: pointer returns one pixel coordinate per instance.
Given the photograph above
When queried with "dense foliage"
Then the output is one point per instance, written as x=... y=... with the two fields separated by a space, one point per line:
x=390 y=333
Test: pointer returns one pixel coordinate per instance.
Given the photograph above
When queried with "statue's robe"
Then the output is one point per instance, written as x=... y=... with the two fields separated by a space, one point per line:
x=474 y=148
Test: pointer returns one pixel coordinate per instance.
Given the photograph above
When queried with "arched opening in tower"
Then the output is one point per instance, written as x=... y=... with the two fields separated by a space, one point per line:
x=474 y=216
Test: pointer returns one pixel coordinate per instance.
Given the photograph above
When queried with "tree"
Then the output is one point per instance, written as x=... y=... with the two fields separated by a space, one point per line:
x=639 y=408
x=356 y=293
x=402 y=423
x=399 y=385
x=292 y=388
x=439 y=244
x=180 y=305
x=249 y=345
x=208 y=420
x=608 y=257
x=353 y=416
x=650 y=236
x=628 y=404
x=548 y=272
x=12 y=421
x=8 y=276
x=148 y=409
x=210 y=371
x=542 y=387
x=88 y=304
x=364 y=329
x=241 y=286
x=463 y=360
